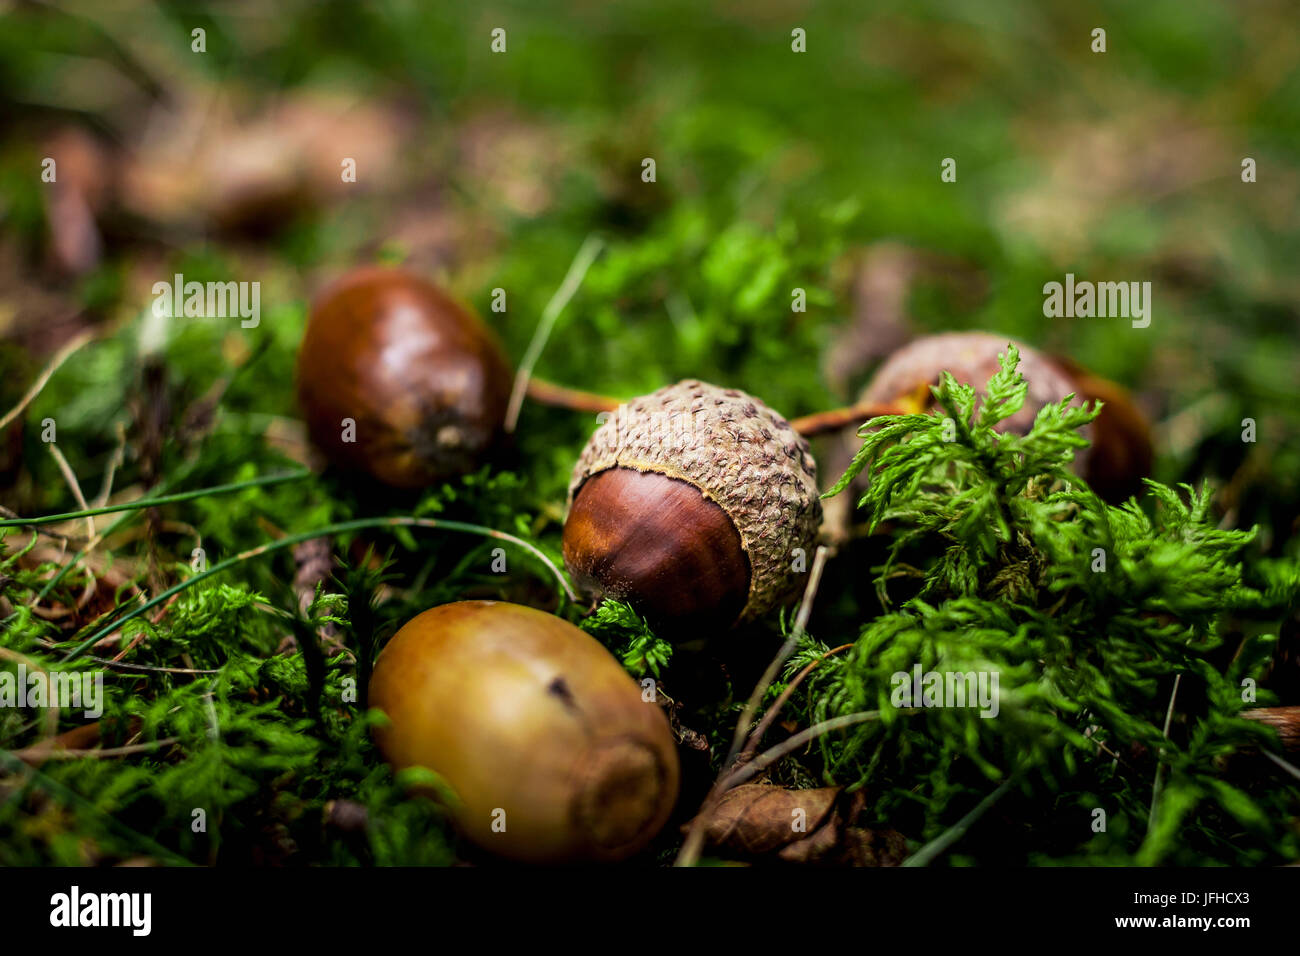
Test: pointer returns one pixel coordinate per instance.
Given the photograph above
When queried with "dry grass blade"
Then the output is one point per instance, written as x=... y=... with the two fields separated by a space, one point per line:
x=694 y=842
x=61 y=356
x=587 y=254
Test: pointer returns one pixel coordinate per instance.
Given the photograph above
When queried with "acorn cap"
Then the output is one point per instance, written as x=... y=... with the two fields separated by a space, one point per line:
x=972 y=358
x=1119 y=452
x=739 y=453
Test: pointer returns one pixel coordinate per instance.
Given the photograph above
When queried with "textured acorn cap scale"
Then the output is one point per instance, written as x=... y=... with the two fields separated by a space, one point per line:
x=739 y=453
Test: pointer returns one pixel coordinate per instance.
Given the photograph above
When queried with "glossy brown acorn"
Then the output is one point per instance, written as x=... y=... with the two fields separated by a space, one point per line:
x=657 y=541
x=547 y=744
x=421 y=378
x=695 y=504
x=1120 y=454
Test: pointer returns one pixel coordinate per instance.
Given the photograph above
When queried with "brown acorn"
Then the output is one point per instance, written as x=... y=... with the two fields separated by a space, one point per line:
x=421 y=380
x=696 y=505
x=1119 y=454
x=545 y=741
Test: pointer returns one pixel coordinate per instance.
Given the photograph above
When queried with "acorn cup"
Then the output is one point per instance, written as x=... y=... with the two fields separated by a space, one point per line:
x=551 y=752
x=695 y=504
x=399 y=381
x=1119 y=454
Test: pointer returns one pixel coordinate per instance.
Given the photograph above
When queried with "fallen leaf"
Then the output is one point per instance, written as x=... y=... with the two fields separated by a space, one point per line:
x=816 y=826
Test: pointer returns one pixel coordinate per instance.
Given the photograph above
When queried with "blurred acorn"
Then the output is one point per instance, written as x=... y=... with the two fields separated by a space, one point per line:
x=399 y=381
x=251 y=172
x=84 y=171
x=1120 y=453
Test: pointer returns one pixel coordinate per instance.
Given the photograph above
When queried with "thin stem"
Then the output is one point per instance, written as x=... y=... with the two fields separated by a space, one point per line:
x=56 y=535
x=90 y=545
x=142 y=503
x=43 y=751
x=70 y=477
x=1160 y=766
x=139 y=668
x=694 y=841
x=61 y=356
x=587 y=254
x=561 y=396
x=928 y=853
x=786 y=747
x=291 y=540
x=114 y=463
x=59 y=575
x=1285 y=765
x=796 y=632
x=810 y=426
x=760 y=731
x=819 y=423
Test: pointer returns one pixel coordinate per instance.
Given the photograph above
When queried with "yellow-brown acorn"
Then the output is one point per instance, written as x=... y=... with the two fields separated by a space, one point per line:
x=546 y=742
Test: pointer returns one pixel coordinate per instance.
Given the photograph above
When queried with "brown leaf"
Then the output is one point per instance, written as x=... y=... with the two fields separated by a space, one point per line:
x=800 y=826
x=1285 y=720
x=73 y=200
x=247 y=168
x=852 y=846
x=755 y=819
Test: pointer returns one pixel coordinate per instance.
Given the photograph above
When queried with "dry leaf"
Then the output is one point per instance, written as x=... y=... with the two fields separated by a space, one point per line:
x=800 y=826
x=1285 y=720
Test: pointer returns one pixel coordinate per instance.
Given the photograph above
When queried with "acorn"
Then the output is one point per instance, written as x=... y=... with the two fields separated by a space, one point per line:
x=547 y=744
x=1120 y=451
x=696 y=505
x=399 y=381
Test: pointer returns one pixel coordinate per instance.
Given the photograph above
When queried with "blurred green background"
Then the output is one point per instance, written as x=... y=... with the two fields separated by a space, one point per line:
x=775 y=170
